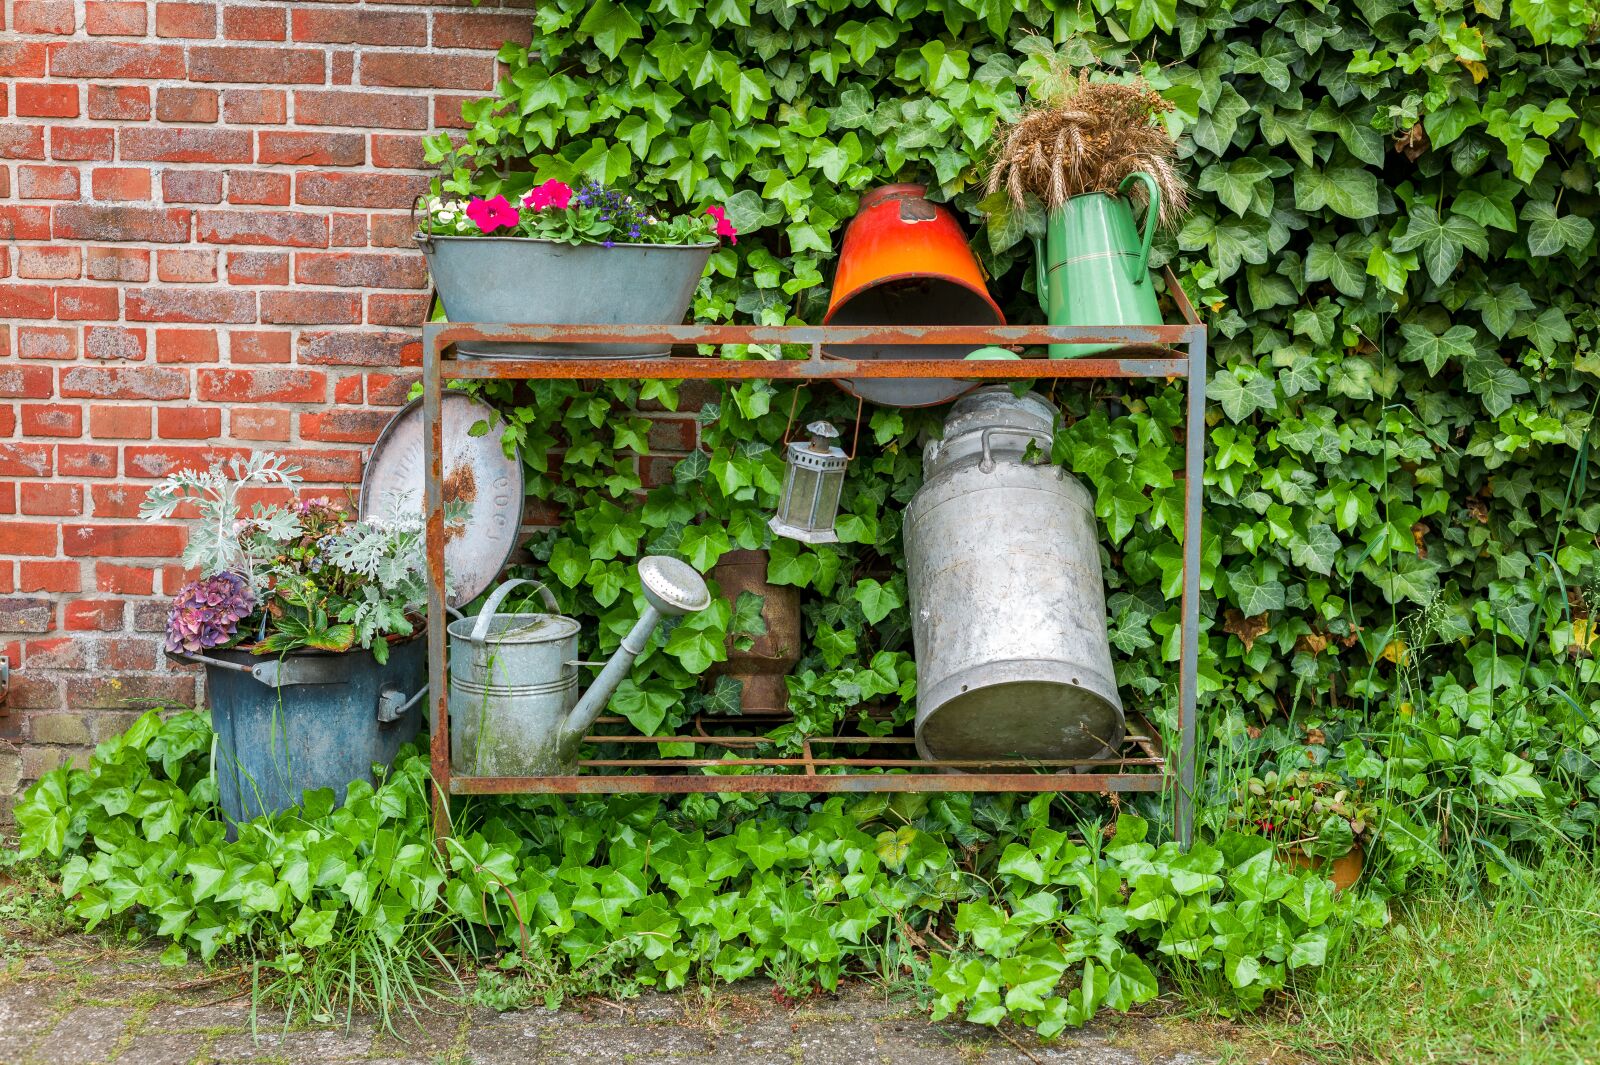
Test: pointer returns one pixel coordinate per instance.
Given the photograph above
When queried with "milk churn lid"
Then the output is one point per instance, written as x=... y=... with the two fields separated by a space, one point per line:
x=482 y=488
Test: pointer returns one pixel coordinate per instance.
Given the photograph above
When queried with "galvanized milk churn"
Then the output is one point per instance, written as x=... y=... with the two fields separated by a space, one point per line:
x=1007 y=600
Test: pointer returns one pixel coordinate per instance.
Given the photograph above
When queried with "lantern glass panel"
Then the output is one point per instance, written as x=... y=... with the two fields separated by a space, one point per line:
x=801 y=497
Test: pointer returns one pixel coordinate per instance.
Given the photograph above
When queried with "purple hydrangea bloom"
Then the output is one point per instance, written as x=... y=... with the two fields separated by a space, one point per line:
x=207 y=613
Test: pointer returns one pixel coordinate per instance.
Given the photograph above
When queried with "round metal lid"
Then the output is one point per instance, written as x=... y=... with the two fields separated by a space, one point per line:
x=477 y=475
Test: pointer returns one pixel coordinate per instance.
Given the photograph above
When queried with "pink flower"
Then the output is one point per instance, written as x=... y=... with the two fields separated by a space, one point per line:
x=490 y=215
x=724 y=227
x=552 y=193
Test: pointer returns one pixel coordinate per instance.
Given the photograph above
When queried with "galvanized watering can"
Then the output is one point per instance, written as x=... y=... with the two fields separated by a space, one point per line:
x=1008 y=609
x=1094 y=266
x=514 y=703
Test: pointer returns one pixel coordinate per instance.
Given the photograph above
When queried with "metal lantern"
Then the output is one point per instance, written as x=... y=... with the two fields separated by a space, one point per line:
x=811 y=487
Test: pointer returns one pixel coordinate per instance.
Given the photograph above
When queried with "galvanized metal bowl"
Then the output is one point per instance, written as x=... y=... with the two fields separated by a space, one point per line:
x=528 y=281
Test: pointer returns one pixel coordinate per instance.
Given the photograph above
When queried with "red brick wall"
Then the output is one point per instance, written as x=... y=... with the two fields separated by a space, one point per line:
x=204 y=248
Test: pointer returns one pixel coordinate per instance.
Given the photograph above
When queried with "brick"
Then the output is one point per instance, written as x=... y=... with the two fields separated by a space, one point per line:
x=121 y=183
x=384 y=308
x=393 y=231
x=125 y=541
x=261 y=386
x=125 y=655
x=48 y=262
x=251 y=346
x=334 y=26
x=359 y=349
x=124 y=382
x=118 y=264
x=160 y=460
x=390 y=390
x=397 y=152
x=423 y=71
x=86 y=460
x=186 y=345
x=335 y=189
x=114 y=342
x=186 y=266
x=123 y=103
x=142 y=691
x=65 y=729
x=103 y=19
x=188 y=145
x=29 y=538
x=326 y=466
x=47 y=182
x=27 y=301
x=268 y=107
x=250 y=66
x=178 y=305
x=79 y=303
x=109 y=422
x=119 y=579
x=343 y=426
x=262 y=187
x=55 y=499
x=189 y=423
x=47 y=342
x=49 y=577
x=447 y=110
x=342 y=71
x=251 y=423
x=348 y=231
x=286 y=228
x=480 y=31
x=26 y=382
x=24 y=223
x=182 y=105
x=19 y=60
x=191 y=186
x=306 y=308
x=43 y=16
x=311 y=149
x=95 y=615
x=82 y=144
x=152 y=225
x=24 y=615
x=46 y=100
x=152 y=617
x=52 y=419
x=334 y=107
x=117 y=500
x=191 y=21
x=361 y=269
x=132 y=62
x=240 y=23
x=19 y=141
x=258 y=268
x=63 y=652
x=347 y=390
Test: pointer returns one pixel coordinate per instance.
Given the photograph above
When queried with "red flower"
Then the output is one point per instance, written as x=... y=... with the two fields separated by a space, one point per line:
x=552 y=193
x=490 y=215
x=724 y=227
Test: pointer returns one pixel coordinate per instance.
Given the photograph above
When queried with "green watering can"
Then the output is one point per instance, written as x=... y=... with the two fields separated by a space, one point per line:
x=1093 y=268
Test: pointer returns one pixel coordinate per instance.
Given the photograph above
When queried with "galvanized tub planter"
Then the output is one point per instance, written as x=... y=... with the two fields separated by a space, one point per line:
x=1007 y=599
x=288 y=724
x=530 y=281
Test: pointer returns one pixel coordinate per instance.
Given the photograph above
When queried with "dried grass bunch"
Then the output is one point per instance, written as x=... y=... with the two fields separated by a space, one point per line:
x=1086 y=136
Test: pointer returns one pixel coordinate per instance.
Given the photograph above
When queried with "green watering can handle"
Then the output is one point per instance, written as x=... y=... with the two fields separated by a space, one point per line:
x=1041 y=275
x=1141 y=270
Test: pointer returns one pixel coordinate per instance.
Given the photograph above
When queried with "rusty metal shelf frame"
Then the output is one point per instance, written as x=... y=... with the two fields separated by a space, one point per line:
x=1167 y=351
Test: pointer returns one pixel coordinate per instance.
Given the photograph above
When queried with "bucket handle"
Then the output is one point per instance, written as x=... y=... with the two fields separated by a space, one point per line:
x=1140 y=270
x=1041 y=275
x=987 y=465
x=486 y=615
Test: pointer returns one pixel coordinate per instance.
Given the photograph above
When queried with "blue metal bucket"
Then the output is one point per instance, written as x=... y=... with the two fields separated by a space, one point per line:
x=303 y=721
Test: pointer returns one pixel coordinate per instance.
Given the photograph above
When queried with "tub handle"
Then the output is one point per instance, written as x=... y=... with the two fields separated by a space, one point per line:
x=486 y=615
x=393 y=704
x=277 y=672
x=987 y=465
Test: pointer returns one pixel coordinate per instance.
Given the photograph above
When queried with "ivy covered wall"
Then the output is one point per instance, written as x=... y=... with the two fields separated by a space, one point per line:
x=1391 y=241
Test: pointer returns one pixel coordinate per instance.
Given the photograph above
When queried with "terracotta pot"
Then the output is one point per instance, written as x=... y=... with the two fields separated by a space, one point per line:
x=1343 y=871
x=764 y=666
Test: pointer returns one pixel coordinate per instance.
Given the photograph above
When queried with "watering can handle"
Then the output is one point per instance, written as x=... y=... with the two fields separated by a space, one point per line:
x=1041 y=275
x=486 y=615
x=1152 y=211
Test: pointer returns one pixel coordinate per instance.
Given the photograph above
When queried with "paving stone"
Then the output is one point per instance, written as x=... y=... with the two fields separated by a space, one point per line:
x=193 y=1016
x=88 y=1034
x=27 y=1011
x=162 y=1049
x=612 y=1043
x=328 y=1044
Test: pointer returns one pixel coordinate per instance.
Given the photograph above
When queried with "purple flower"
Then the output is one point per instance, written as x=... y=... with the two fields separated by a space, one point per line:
x=207 y=613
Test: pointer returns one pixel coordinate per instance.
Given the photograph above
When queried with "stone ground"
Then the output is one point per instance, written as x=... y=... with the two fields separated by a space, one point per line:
x=77 y=1001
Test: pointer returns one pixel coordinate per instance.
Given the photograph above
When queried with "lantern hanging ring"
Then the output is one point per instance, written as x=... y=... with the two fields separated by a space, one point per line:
x=794 y=405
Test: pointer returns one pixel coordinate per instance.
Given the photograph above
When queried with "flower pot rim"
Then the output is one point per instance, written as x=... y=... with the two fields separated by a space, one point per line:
x=426 y=238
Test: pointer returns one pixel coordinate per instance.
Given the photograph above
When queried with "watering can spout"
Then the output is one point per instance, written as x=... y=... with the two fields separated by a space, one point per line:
x=671 y=588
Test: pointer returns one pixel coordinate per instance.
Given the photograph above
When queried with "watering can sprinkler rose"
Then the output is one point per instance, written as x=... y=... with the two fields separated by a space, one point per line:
x=1089 y=152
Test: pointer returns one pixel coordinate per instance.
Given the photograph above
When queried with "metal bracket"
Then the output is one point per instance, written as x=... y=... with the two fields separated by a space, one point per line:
x=5 y=679
x=393 y=704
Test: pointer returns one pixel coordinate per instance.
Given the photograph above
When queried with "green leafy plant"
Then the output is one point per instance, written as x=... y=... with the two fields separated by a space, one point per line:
x=1314 y=814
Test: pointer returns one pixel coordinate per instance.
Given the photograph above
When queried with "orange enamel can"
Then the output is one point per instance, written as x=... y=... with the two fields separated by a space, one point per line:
x=905 y=261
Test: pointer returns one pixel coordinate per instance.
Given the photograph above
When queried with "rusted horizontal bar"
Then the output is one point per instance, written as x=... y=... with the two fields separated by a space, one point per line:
x=808 y=335
x=806 y=783
x=807 y=369
x=853 y=763
x=745 y=741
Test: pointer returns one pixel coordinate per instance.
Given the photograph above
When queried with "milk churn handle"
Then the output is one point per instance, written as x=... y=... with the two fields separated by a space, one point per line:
x=1152 y=212
x=988 y=459
x=486 y=615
